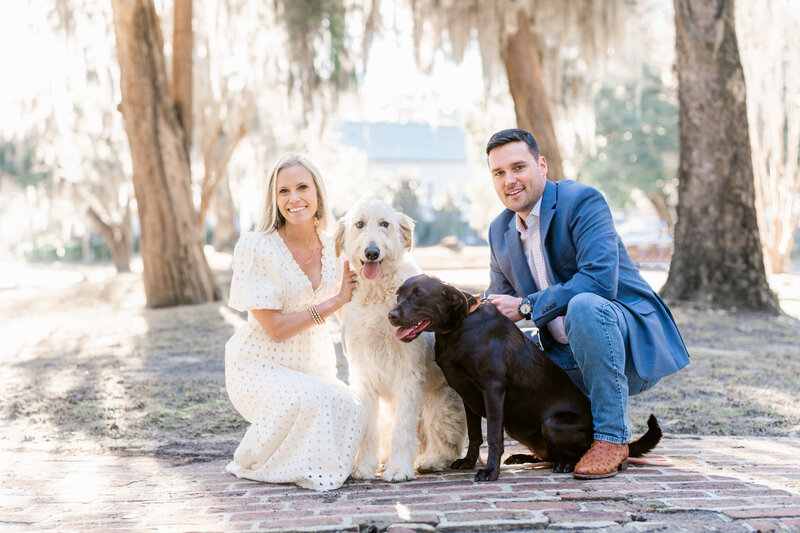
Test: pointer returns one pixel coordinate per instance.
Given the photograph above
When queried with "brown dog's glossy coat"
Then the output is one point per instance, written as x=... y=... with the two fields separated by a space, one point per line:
x=502 y=376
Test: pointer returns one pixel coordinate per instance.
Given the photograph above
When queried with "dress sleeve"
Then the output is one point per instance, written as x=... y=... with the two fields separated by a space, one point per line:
x=256 y=282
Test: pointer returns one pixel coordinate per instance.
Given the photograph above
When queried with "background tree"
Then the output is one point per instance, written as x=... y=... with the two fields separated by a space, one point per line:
x=637 y=129
x=772 y=72
x=78 y=132
x=224 y=109
x=175 y=268
x=717 y=256
x=546 y=50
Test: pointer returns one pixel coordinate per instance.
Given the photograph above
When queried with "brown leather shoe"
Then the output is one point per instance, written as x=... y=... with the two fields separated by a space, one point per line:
x=602 y=459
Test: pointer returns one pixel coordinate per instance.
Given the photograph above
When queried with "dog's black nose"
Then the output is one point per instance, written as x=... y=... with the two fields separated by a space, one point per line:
x=394 y=314
x=372 y=252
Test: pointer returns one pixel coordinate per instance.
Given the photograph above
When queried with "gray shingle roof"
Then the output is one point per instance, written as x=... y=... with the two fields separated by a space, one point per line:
x=386 y=141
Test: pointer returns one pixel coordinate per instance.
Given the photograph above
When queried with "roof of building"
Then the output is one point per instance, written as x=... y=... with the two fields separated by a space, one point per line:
x=387 y=141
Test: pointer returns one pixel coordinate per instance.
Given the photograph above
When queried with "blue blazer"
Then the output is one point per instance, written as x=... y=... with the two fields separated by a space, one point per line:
x=585 y=254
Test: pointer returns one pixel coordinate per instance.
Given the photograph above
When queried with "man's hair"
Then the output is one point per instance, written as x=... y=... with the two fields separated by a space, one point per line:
x=513 y=135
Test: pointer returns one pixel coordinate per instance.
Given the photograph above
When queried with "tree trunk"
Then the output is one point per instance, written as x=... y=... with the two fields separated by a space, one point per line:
x=175 y=269
x=663 y=210
x=531 y=105
x=225 y=232
x=117 y=236
x=717 y=257
x=180 y=87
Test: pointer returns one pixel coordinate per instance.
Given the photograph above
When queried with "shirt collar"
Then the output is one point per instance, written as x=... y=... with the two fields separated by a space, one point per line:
x=522 y=226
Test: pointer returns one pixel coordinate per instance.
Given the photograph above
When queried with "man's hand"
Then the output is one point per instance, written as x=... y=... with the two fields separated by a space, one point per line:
x=508 y=305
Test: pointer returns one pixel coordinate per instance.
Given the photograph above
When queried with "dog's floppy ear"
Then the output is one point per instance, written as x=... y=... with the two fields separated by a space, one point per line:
x=406 y=225
x=339 y=236
x=458 y=297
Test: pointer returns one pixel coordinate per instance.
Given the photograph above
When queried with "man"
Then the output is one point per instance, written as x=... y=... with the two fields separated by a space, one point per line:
x=556 y=259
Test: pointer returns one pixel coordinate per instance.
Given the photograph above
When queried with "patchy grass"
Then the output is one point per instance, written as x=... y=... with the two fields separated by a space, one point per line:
x=189 y=408
x=743 y=379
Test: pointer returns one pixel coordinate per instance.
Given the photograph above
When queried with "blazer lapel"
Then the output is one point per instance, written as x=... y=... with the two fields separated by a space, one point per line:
x=548 y=208
x=518 y=261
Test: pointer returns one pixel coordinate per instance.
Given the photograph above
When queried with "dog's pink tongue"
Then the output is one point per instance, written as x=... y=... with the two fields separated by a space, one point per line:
x=402 y=333
x=371 y=269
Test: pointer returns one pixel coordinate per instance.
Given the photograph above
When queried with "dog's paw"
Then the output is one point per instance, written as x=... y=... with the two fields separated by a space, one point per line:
x=560 y=468
x=430 y=464
x=467 y=463
x=487 y=474
x=363 y=471
x=395 y=472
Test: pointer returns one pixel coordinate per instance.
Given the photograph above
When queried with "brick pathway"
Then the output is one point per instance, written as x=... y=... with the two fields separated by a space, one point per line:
x=715 y=484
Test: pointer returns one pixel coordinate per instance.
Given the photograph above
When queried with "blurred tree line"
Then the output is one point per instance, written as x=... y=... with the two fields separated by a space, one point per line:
x=211 y=91
x=637 y=130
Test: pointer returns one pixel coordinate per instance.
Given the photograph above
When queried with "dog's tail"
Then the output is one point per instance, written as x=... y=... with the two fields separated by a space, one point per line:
x=648 y=441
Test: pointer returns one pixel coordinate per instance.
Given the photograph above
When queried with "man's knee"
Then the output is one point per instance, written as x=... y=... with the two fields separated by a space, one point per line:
x=582 y=309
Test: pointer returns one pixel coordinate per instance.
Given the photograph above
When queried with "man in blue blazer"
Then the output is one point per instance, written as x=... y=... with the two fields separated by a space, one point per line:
x=556 y=259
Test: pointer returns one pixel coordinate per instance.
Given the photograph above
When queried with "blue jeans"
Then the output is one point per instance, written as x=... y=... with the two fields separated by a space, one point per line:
x=598 y=360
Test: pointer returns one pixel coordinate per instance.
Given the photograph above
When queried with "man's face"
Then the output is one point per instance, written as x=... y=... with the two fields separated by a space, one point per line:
x=518 y=177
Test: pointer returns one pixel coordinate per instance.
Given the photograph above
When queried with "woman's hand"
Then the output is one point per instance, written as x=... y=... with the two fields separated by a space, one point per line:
x=349 y=282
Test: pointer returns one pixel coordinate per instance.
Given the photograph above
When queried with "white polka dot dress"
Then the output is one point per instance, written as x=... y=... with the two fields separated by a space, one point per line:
x=305 y=425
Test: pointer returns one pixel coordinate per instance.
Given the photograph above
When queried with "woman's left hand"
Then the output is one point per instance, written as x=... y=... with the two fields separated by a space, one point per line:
x=349 y=283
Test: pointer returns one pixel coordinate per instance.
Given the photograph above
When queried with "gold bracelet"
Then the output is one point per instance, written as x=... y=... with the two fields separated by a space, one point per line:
x=312 y=310
x=317 y=317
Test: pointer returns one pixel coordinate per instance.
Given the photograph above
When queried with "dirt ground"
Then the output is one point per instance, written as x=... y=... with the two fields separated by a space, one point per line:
x=84 y=365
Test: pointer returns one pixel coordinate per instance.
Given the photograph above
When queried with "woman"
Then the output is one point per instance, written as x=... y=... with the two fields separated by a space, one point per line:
x=280 y=368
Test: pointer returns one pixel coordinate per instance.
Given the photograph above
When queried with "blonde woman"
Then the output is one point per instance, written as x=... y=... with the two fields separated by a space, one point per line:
x=280 y=367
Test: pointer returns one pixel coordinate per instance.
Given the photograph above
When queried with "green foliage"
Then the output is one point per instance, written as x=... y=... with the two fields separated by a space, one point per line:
x=18 y=160
x=47 y=249
x=319 y=44
x=637 y=129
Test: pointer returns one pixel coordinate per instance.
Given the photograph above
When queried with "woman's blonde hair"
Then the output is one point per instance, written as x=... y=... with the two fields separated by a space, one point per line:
x=271 y=218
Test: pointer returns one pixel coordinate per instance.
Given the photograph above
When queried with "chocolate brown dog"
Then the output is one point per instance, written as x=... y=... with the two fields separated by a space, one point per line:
x=501 y=375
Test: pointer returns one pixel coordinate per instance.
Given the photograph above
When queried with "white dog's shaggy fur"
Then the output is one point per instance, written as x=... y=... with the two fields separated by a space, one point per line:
x=376 y=238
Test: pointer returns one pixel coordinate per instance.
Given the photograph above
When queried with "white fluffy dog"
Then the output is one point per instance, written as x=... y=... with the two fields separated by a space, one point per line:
x=376 y=238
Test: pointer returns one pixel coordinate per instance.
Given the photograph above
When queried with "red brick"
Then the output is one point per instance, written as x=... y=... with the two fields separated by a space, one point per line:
x=587 y=516
x=537 y=506
x=486 y=516
x=362 y=509
x=626 y=486
x=304 y=522
x=549 y=487
x=791 y=525
x=708 y=485
x=593 y=495
x=673 y=478
x=708 y=503
x=776 y=501
x=233 y=508
x=765 y=512
x=256 y=516
x=610 y=506
x=662 y=494
x=468 y=489
x=451 y=506
x=751 y=491
x=267 y=490
x=410 y=500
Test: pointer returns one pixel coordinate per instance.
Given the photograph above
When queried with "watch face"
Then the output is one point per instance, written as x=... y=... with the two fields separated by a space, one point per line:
x=525 y=307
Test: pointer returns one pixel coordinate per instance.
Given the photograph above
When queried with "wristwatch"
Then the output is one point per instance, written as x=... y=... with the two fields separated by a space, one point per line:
x=525 y=308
